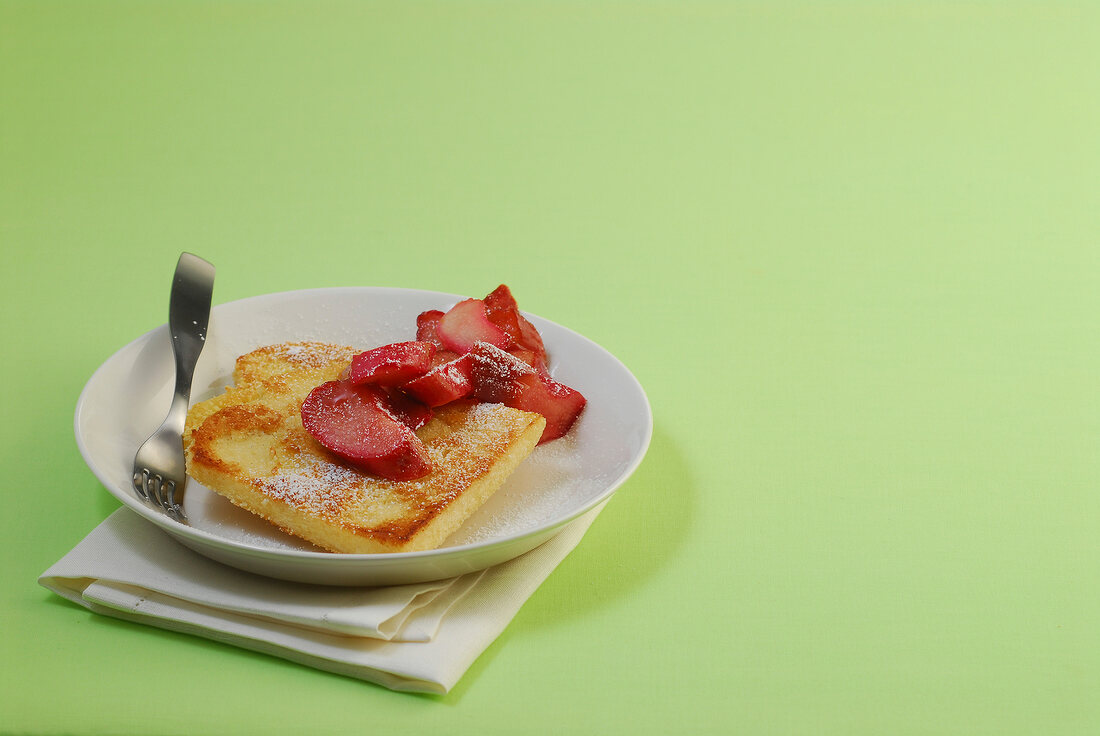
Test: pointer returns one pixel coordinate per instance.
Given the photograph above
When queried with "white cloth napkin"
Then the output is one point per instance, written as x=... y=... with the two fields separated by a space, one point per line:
x=420 y=637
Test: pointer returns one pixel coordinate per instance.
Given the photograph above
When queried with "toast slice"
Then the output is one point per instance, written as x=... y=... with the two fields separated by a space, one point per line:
x=248 y=445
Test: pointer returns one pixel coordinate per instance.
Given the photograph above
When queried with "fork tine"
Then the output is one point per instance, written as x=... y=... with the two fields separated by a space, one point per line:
x=156 y=490
x=159 y=490
x=141 y=478
x=174 y=509
x=151 y=491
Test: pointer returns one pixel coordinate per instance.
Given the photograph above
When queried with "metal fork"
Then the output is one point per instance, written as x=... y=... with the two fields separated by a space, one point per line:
x=159 y=467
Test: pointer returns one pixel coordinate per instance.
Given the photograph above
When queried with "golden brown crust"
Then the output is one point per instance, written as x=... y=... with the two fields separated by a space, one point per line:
x=249 y=445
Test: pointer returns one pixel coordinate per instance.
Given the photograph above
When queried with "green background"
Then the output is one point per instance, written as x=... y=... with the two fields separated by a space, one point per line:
x=850 y=250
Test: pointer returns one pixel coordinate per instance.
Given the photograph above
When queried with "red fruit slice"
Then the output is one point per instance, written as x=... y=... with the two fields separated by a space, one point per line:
x=527 y=342
x=495 y=373
x=352 y=422
x=558 y=403
x=527 y=356
x=530 y=338
x=466 y=324
x=502 y=378
x=443 y=356
x=405 y=408
x=392 y=364
x=444 y=383
x=427 y=327
x=500 y=299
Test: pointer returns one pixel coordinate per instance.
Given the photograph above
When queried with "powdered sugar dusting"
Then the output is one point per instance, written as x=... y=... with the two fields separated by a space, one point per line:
x=312 y=355
x=321 y=488
x=544 y=488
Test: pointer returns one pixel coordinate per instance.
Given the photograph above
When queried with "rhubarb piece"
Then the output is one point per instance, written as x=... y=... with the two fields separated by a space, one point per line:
x=527 y=342
x=392 y=364
x=527 y=356
x=500 y=299
x=427 y=327
x=495 y=373
x=353 y=422
x=558 y=403
x=405 y=408
x=466 y=324
x=443 y=356
x=427 y=330
x=444 y=383
x=500 y=377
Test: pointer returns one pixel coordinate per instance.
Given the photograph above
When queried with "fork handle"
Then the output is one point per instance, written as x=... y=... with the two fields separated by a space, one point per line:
x=188 y=319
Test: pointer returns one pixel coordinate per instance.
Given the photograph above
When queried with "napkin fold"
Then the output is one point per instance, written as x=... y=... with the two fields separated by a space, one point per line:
x=421 y=637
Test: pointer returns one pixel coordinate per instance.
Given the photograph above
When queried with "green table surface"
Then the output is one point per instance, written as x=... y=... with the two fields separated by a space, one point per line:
x=852 y=252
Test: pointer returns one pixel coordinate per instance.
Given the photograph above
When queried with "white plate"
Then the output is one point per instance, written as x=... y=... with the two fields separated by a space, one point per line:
x=128 y=396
